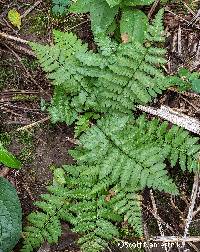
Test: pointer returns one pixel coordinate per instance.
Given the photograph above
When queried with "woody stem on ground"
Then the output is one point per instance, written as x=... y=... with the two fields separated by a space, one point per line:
x=194 y=196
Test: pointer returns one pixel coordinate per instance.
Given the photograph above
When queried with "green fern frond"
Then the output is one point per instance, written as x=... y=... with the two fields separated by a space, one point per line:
x=117 y=158
x=155 y=31
x=45 y=225
x=136 y=147
x=113 y=80
x=129 y=206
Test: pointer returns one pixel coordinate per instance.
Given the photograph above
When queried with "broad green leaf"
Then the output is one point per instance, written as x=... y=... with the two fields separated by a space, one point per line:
x=8 y=159
x=60 y=7
x=133 y=25
x=113 y=3
x=10 y=216
x=196 y=85
x=101 y=14
x=81 y=6
x=15 y=18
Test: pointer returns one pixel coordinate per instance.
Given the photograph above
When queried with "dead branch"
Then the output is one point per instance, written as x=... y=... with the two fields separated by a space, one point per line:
x=10 y=37
x=195 y=189
x=153 y=8
x=156 y=212
x=174 y=117
x=31 y=9
x=34 y=124
x=175 y=239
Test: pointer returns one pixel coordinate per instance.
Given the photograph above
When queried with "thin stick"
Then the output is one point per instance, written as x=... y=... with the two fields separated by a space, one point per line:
x=21 y=49
x=31 y=9
x=175 y=207
x=75 y=26
x=195 y=189
x=195 y=18
x=196 y=212
x=179 y=41
x=26 y=71
x=193 y=95
x=10 y=37
x=174 y=117
x=153 y=8
x=146 y=235
x=183 y=19
x=175 y=239
x=10 y=111
x=33 y=124
x=187 y=7
x=197 y=109
x=156 y=212
x=156 y=216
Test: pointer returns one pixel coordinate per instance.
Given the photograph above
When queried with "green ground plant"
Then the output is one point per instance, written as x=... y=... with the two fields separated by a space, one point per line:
x=119 y=155
x=60 y=7
x=103 y=15
x=10 y=208
x=24 y=139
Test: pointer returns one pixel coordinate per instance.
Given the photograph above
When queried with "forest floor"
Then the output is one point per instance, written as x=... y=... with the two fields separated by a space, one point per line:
x=28 y=133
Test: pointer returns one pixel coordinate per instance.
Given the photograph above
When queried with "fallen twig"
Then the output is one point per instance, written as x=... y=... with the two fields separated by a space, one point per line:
x=153 y=8
x=183 y=19
x=175 y=207
x=156 y=216
x=156 y=212
x=29 y=126
x=31 y=9
x=26 y=70
x=21 y=49
x=146 y=236
x=175 y=239
x=174 y=117
x=179 y=34
x=196 y=212
x=10 y=37
x=195 y=189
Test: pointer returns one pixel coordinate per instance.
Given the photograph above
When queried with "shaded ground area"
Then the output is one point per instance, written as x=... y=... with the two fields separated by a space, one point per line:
x=23 y=91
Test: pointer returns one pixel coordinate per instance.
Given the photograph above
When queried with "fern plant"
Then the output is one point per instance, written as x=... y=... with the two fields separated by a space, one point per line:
x=120 y=155
x=112 y=80
x=60 y=7
x=116 y=159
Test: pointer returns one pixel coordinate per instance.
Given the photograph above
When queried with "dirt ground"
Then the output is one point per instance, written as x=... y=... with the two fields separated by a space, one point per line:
x=24 y=88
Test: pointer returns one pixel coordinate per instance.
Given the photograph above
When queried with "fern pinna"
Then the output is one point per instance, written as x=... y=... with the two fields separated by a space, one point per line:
x=116 y=159
x=108 y=81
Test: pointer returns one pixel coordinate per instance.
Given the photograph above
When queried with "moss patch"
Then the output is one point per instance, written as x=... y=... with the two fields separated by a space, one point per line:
x=36 y=24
